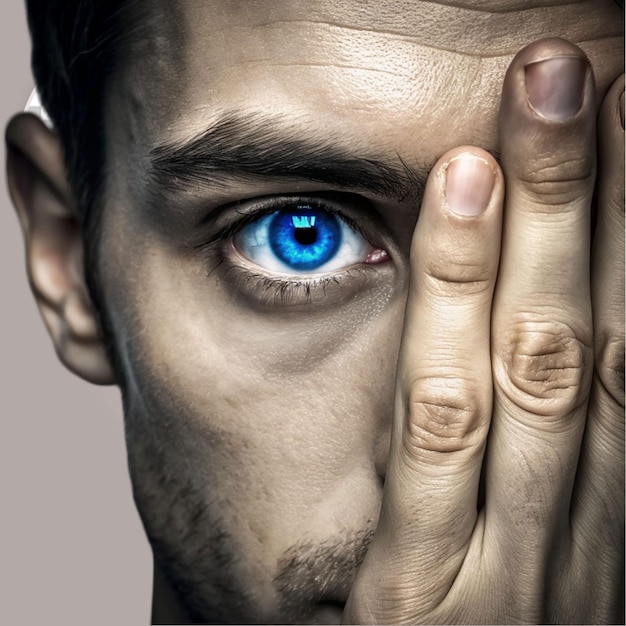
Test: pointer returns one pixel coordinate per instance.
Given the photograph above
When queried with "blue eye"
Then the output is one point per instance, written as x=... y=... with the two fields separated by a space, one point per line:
x=302 y=239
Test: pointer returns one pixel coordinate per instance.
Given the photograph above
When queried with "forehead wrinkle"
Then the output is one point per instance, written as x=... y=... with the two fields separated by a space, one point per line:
x=454 y=27
x=497 y=6
x=153 y=113
x=317 y=33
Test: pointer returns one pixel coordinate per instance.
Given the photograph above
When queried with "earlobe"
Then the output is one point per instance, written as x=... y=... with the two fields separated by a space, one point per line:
x=54 y=247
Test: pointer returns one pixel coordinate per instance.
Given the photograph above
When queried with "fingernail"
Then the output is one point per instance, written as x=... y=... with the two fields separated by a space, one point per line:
x=469 y=184
x=556 y=86
x=621 y=109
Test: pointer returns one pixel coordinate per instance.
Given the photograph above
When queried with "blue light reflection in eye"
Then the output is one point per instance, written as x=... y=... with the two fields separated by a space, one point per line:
x=303 y=221
x=301 y=240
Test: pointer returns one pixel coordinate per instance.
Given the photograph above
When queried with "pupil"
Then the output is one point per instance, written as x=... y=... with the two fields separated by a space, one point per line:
x=305 y=236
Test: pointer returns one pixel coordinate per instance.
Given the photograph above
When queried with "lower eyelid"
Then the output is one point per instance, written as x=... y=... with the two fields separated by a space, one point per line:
x=321 y=290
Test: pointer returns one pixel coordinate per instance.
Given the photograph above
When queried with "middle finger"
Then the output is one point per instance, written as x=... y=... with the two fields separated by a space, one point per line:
x=542 y=315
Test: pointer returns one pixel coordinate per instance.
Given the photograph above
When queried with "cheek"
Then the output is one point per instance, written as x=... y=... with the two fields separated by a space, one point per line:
x=275 y=420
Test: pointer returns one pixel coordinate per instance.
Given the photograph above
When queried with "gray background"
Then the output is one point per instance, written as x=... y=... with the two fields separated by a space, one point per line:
x=72 y=550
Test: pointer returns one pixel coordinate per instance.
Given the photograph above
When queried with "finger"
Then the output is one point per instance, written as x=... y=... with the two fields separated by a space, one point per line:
x=598 y=506
x=443 y=402
x=542 y=311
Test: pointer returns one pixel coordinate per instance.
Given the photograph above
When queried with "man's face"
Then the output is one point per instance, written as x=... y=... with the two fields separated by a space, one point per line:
x=259 y=386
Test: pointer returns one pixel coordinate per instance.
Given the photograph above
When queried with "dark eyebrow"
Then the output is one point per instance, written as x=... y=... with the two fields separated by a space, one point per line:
x=254 y=146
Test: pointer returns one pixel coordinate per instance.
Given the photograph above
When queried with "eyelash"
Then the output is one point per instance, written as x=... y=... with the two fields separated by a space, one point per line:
x=274 y=290
x=270 y=205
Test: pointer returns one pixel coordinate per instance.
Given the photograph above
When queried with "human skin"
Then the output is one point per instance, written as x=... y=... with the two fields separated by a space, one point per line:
x=259 y=425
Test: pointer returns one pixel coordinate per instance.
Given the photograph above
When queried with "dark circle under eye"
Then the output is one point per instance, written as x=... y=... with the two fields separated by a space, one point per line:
x=304 y=238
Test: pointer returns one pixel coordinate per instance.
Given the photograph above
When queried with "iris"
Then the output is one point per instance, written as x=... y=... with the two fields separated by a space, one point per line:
x=300 y=238
x=306 y=239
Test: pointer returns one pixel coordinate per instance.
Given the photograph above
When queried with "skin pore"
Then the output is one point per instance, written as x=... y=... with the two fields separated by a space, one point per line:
x=258 y=408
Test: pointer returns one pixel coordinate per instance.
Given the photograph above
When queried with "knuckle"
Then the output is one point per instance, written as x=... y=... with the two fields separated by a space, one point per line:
x=545 y=368
x=559 y=183
x=447 y=277
x=443 y=415
x=610 y=368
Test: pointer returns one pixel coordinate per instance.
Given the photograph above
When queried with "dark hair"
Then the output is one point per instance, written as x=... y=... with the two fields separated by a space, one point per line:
x=77 y=46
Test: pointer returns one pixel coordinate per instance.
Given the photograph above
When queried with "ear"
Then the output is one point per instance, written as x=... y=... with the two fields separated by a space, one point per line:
x=54 y=246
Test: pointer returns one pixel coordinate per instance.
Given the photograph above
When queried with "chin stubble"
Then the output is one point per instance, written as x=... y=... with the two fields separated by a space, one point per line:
x=313 y=575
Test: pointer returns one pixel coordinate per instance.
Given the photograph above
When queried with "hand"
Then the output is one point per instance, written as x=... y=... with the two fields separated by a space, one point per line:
x=501 y=364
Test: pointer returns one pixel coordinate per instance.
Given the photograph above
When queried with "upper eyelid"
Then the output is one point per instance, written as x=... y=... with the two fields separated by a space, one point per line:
x=254 y=209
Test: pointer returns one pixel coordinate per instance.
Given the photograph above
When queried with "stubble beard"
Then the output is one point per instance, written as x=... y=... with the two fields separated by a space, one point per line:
x=204 y=564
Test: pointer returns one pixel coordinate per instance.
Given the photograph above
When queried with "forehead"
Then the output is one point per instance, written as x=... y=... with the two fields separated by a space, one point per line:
x=372 y=71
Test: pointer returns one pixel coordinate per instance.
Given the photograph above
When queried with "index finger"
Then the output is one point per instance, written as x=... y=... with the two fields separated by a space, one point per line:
x=443 y=402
